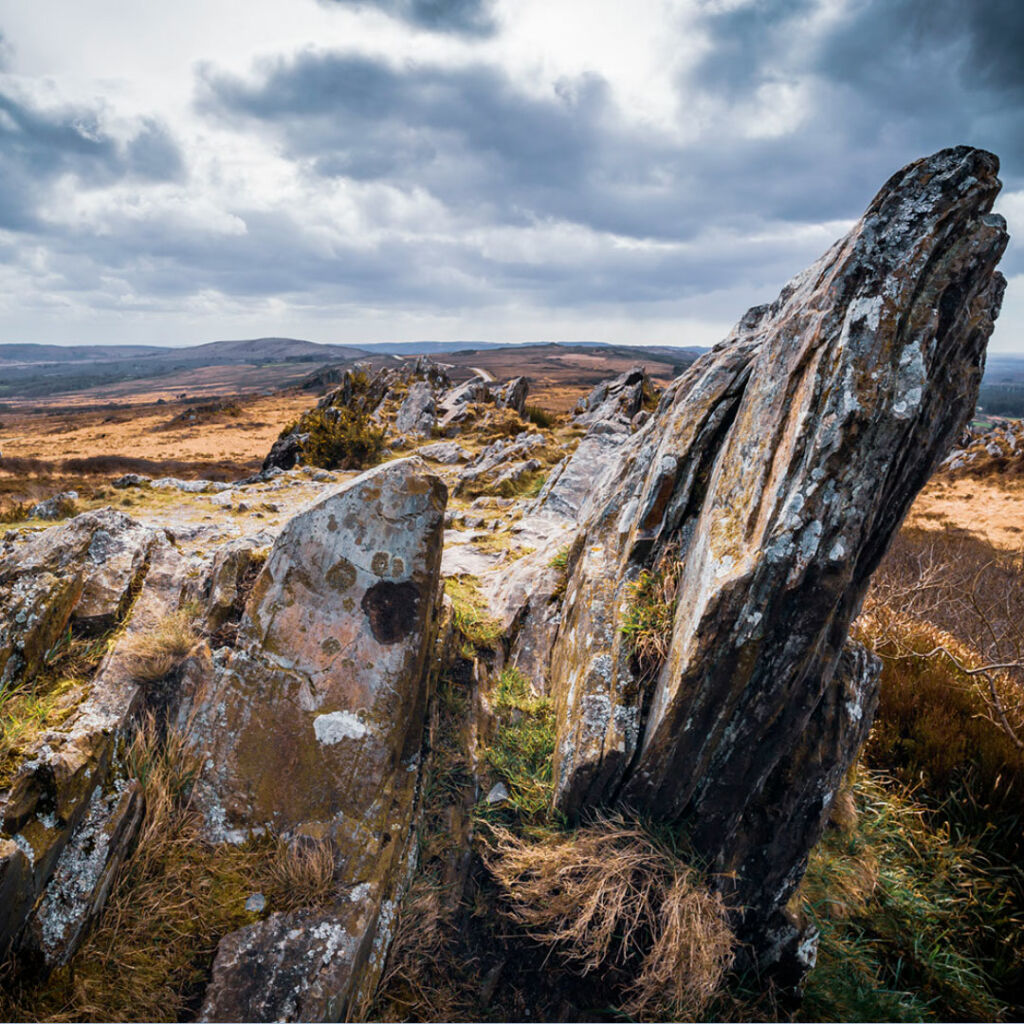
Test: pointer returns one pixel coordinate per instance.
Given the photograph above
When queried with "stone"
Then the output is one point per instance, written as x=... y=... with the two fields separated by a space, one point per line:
x=512 y=395
x=172 y=483
x=78 y=889
x=81 y=570
x=285 y=453
x=313 y=725
x=256 y=903
x=232 y=563
x=619 y=399
x=131 y=480
x=289 y=967
x=418 y=413
x=56 y=507
x=776 y=471
x=446 y=452
x=498 y=794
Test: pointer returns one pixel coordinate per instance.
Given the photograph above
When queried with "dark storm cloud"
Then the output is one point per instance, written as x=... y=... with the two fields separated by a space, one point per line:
x=885 y=82
x=463 y=17
x=37 y=146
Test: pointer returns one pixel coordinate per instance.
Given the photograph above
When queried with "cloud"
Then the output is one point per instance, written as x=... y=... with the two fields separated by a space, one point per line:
x=462 y=17
x=39 y=145
x=456 y=179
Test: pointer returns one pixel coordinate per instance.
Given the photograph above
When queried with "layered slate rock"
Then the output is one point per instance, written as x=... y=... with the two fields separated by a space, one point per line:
x=774 y=473
x=313 y=727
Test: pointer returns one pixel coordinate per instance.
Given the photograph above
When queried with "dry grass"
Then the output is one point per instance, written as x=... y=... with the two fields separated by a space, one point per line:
x=472 y=617
x=155 y=654
x=610 y=895
x=172 y=901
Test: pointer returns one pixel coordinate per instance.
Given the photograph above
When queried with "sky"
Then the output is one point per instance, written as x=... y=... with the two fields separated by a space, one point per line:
x=505 y=170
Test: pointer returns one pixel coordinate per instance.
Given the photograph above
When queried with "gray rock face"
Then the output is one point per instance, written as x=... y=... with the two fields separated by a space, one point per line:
x=418 y=412
x=618 y=399
x=289 y=967
x=513 y=394
x=81 y=570
x=313 y=726
x=65 y=811
x=775 y=473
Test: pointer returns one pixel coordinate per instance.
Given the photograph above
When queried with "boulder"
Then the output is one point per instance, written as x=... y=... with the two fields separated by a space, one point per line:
x=58 y=507
x=618 y=399
x=446 y=452
x=418 y=413
x=774 y=475
x=313 y=726
x=512 y=395
x=82 y=571
x=285 y=453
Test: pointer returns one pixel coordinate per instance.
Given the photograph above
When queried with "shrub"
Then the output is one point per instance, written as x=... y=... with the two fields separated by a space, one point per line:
x=341 y=439
x=541 y=417
x=610 y=895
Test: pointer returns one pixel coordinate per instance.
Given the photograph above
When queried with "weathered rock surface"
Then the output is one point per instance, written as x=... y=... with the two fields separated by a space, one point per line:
x=64 y=810
x=81 y=570
x=313 y=727
x=418 y=412
x=775 y=471
x=618 y=399
x=506 y=458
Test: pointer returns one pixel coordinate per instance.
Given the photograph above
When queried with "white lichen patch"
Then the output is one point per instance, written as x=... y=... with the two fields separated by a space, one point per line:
x=336 y=726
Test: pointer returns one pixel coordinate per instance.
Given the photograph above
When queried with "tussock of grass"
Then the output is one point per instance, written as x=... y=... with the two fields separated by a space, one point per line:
x=524 y=745
x=650 y=611
x=610 y=895
x=560 y=563
x=540 y=417
x=155 y=654
x=174 y=898
x=472 y=615
x=906 y=911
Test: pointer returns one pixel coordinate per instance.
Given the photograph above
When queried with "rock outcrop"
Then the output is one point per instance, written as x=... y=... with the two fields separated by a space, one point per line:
x=80 y=571
x=772 y=478
x=312 y=729
x=69 y=815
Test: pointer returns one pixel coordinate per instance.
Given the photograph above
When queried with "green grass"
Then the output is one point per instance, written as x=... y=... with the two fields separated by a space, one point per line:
x=906 y=913
x=647 y=623
x=540 y=417
x=35 y=706
x=523 y=747
x=473 y=619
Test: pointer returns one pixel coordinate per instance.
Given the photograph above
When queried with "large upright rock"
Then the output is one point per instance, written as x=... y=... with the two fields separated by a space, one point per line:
x=313 y=729
x=776 y=471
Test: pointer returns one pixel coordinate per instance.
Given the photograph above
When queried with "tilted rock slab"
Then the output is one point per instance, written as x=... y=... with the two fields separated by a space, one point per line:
x=778 y=467
x=314 y=729
x=70 y=814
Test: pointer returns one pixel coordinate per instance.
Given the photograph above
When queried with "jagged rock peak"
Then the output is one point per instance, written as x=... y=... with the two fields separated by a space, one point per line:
x=773 y=477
